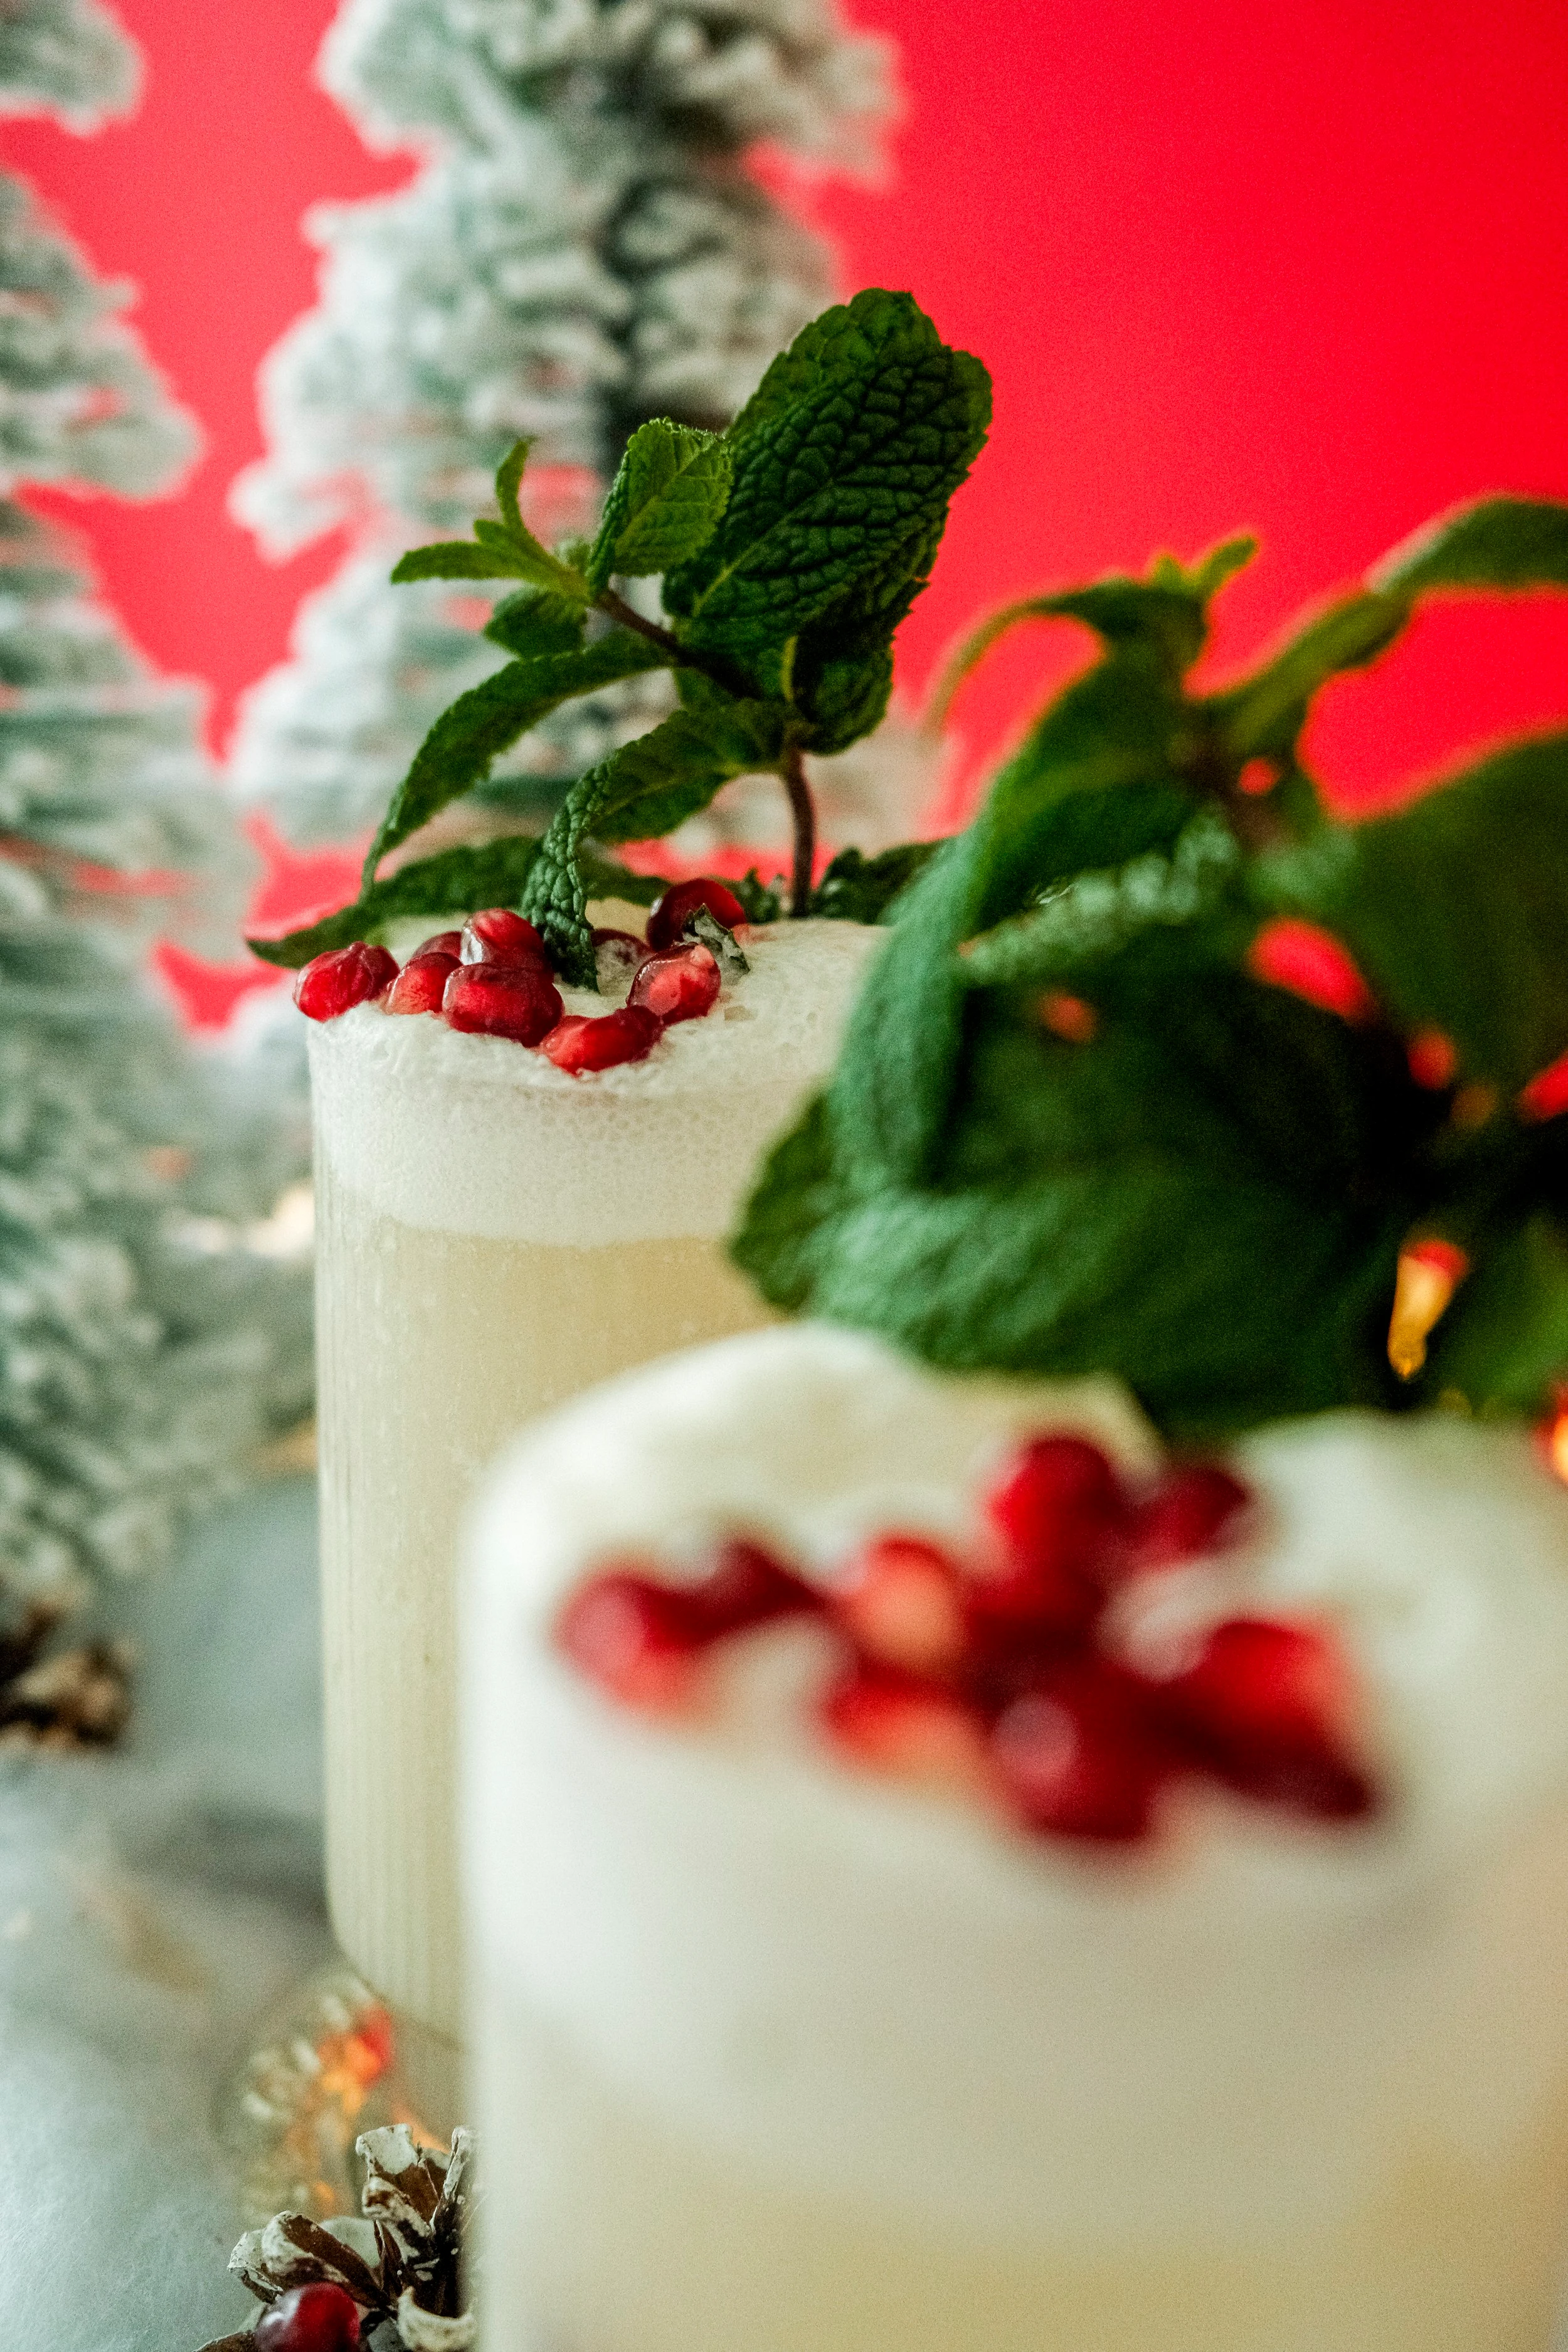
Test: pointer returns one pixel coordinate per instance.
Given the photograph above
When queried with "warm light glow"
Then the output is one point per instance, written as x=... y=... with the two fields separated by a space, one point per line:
x=1069 y=1017
x=1430 y=1271
x=1557 y=1443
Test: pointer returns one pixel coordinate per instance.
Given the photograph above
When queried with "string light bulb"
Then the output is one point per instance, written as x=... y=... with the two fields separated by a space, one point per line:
x=1430 y=1271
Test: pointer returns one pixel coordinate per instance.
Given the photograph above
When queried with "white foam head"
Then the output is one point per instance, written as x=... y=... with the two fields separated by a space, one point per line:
x=477 y=1135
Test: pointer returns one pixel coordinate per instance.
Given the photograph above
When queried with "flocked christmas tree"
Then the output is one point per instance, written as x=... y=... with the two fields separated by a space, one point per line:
x=583 y=249
x=144 y=1345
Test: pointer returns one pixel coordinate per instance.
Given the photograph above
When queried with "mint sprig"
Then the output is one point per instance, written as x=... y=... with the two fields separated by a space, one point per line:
x=788 y=548
x=1200 y=1180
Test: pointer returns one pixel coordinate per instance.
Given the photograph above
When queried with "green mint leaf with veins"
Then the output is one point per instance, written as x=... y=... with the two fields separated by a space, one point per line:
x=460 y=747
x=1200 y=1182
x=663 y=503
x=645 y=789
x=844 y=463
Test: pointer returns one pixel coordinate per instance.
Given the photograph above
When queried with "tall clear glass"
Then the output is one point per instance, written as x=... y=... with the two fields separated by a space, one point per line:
x=494 y=1235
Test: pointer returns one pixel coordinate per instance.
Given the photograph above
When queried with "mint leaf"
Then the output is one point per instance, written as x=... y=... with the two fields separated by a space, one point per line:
x=1516 y=543
x=845 y=460
x=763 y=901
x=460 y=559
x=509 y=483
x=1167 y=611
x=535 y=621
x=456 y=882
x=645 y=789
x=1206 y=1200
x=499 y=551
x=664 y=502
x=1500 y=543
x=1262 y=716
x=859 y=889
x=1456 y=908
x=721 y=945
x=481 y=724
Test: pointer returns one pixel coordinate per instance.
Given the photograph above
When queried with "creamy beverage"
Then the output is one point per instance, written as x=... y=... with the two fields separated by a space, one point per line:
x=494 y=1235
x=777 y=2051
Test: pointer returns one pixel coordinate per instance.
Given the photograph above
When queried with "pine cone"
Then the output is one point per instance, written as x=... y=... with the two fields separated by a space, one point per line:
x=77 y=1698
x=401 y=2260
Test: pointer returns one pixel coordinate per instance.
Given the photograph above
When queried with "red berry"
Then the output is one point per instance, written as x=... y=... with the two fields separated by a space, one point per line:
x=1190 y=1512
x=617 y=955
x=580 y=1043
x=421 y=984
x=669 y=916
x=638 y=1638
x=1059 y=1512
x=681 y=985
x=496 y=935
x=332 y=984
x=320 y=2318
x=893 y=1723
x=1264 y=1706
x=903 y=1603
x=441 y=943
x=747 y=1586
x=518 y=1001
x=1081 y=1756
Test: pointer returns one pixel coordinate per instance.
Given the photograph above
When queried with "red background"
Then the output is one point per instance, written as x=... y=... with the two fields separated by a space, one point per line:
x=1294 y=264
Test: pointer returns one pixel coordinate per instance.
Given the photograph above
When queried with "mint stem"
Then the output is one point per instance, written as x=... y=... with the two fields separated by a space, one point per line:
x=713 y=665
x=802 y=810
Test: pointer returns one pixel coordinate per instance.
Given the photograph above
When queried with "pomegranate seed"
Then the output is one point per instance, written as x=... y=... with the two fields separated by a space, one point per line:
x=518 y=1001
x=1188 y=1514
x=893 y=1723
x=1060 y=1513
x=441 y=943
x=334 y=983
x=903 y=1604
x=638 y=1638
x=421 y=984
x=497 y=936
x=1310 y=962
x=1082 y=1758
x=747 y=1586
x=598 y=1042
x=1264 y=1705
x=670 y=915
x=617 y=955
x=681 y=984
x=318 y=2319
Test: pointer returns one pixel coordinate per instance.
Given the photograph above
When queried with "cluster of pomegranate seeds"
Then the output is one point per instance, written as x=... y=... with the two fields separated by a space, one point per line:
x=494 y=977
x=318 y=2319
x=1002 y=1673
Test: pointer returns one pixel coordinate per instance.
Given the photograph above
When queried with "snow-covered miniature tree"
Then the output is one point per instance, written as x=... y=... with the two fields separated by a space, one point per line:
x=144 y=1345
x=583 y=248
